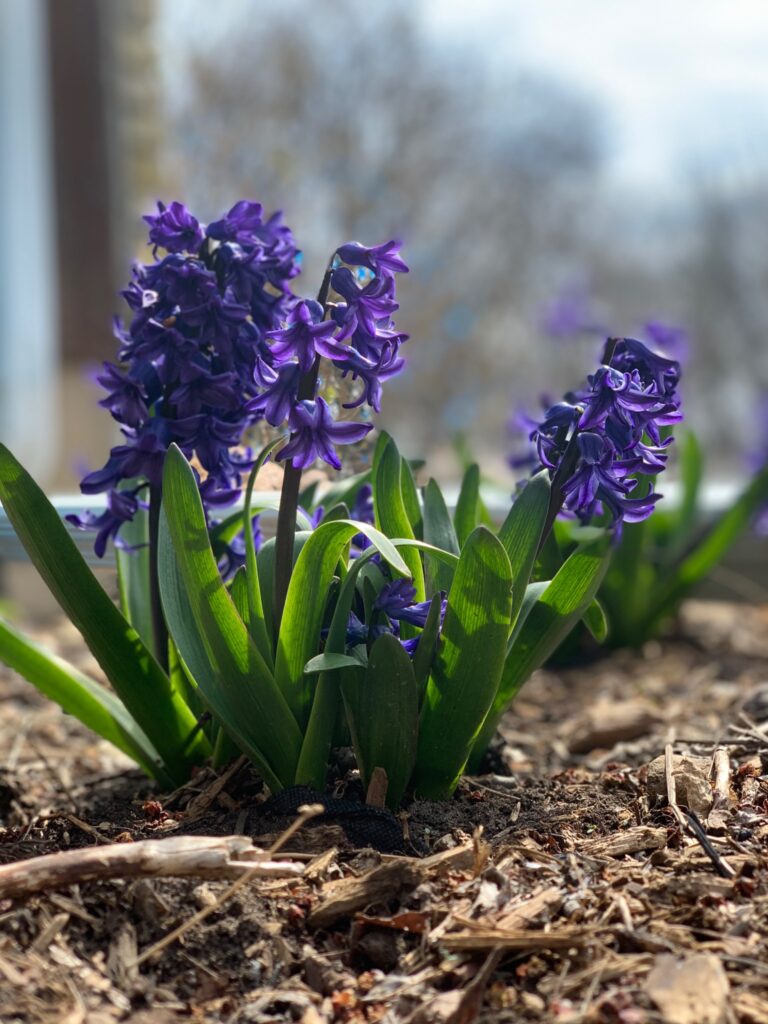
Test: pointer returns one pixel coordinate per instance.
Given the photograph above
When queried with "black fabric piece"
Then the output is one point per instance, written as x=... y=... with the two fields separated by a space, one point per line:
x=362 y=824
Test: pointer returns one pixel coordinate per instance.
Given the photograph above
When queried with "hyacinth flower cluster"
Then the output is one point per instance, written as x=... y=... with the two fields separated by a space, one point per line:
x=599 y=442
x=218 y=341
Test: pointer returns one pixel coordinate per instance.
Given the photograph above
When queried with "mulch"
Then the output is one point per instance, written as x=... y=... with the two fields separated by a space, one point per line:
x=564 y=884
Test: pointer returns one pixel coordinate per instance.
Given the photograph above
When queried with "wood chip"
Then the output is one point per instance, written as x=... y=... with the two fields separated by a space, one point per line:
x=690 y=991
x=631 y=840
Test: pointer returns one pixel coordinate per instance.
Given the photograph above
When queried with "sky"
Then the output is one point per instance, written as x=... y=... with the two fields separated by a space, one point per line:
x=682 y=84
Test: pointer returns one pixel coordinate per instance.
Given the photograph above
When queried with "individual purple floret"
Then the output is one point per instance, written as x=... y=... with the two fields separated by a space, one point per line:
x=597 y=442
x=314 y=434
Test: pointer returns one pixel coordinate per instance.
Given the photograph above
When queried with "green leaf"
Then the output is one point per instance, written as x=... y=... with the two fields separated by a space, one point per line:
x=92 y=704
x=138 y=680
x=305 y=604
x=265 y=562
x=466 y=673
x=551 y=617
x=323 y=716
x=260 y=633
x=411 y=498
x=467 y=512
x=691 y=474
x=427 y=645
x=439 y=531
x=249 y=703
x=383 y=713
x=133 y=575
x=330 y=660
x=596 y=622
x=390 y=509
x=521 y=532
x=712 y=548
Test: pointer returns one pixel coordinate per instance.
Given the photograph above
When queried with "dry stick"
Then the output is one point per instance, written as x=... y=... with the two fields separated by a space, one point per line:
x=689 y=821
x=177 y=856
x=305 y=813
x=721 y=776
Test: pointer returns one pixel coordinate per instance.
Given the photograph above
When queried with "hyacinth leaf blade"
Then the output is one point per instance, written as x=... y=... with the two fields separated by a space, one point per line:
x=330 y=661
x=389 y=507
x=133 y=574
x=88 y=701
x=467 y=670
x=596 y=621
x=238 y=591
x=467 y=513
x=256 y=622
x=382 y=708
x=548 y=619
x=197 y=660
x=411 y=500
x=426 y=648
x=265 y=563
x=239 y=671
x=138 y=680
x=713 y=546
x=521 y=534
x=323 y=716
x=439 y=531
x=306 y=600
x=691 y=462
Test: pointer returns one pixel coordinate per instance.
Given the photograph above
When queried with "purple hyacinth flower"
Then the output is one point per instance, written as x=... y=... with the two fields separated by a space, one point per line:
x=276 y=402
x=240 y=225
x=121 y=508
x=127 y=400
x=315 y=433
x=174 y=229
x=378 y=258
x=371 y=373
x=305 y=337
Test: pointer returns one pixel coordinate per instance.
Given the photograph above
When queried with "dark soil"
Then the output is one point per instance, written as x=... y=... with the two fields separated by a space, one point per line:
x=564 y=879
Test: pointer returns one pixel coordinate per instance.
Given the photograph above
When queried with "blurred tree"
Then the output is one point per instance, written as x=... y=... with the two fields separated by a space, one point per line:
x=362 y=128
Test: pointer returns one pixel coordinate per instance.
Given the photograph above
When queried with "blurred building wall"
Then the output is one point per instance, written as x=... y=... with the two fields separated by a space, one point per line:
x=28 y=320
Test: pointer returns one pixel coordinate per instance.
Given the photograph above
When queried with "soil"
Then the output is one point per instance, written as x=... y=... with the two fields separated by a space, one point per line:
x=561 y=885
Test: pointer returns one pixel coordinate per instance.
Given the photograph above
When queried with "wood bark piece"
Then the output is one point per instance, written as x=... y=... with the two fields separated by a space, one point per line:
x=529 y=941
x=348 y=895
x=177 y=856
x=691 y=991
x=631 y=840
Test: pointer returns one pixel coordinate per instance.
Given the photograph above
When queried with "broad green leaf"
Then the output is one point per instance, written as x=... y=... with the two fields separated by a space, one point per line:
x=241 y=678
x=596 y=621
x=466 y=672
x=260 y=633
x=391 y=513
x=324 y=712
x=138 y=680
x=411 y=498
x=328 y=661
x=427 y=645
x=691 y=459
x=133 y=575
x=552 y=616
x=306 y=600
x=383 y=712
x=438 y=530
x=467 y=514
x=521 y=532
x=238 y=590
x=89 y=701
x=712 y=548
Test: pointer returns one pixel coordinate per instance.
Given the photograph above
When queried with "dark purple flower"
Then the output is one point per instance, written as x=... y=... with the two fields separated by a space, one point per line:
x=121 y=508
x=241 y=224
x=305 y=337
x=315 y=433
x=672 y=338
x=174 y=229
x=276 y=402
x=378 y=258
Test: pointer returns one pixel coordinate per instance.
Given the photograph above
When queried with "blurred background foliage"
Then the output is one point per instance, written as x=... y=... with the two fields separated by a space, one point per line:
x=498 y=169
